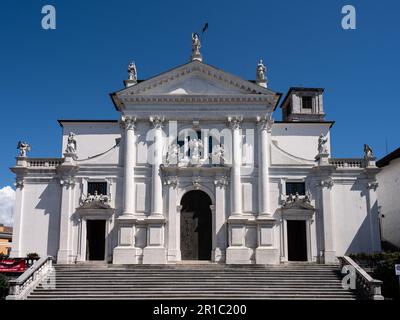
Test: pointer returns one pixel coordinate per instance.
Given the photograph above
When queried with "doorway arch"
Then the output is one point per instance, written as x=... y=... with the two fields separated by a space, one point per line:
x=196 y=226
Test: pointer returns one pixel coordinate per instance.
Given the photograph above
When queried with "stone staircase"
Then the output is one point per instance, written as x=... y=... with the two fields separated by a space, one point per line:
x=203 y=281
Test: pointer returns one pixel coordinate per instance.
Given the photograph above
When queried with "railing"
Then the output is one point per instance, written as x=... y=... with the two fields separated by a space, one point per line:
x=366 y=286
x=44 y=162
x=347 y=163
x=26 y=282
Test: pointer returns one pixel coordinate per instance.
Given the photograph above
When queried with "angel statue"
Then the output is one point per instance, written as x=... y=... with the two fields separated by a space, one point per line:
x=132 y=74
x=322 y=147
x=368 y=152
x=23 y=147
x=71 y=144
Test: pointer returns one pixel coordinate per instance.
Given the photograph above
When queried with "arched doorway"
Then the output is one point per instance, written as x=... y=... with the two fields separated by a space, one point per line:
x=196 y=226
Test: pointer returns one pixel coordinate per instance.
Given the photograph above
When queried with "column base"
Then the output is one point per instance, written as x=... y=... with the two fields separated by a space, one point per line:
x=267 y=255
x=126 y=255
x=64 y=257
x=238 y=255
x=330 y=257
x=218 y=255
x=174 y=255
x=154 y=255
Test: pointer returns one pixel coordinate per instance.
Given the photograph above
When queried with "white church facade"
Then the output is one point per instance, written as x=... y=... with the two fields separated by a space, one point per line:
x=196 y=168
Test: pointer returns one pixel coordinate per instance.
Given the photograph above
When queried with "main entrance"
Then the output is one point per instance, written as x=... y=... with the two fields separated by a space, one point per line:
x=196 y=226
x=95 y=241
x=297 y=240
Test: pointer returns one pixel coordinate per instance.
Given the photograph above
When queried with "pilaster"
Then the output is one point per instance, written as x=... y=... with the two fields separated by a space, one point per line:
x=20 y=171
x=324 y=182
x=66 y=172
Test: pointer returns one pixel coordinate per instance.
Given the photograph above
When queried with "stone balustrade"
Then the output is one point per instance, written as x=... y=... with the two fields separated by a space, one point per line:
x=44 y=162
x=347 y=163
x=366 y=286
x=26 y=282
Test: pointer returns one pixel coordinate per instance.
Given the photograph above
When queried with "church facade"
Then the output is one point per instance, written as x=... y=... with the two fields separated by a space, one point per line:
x=196 y=168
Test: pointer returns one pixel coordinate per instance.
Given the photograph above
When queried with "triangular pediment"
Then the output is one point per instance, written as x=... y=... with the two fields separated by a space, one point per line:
x=196 y=80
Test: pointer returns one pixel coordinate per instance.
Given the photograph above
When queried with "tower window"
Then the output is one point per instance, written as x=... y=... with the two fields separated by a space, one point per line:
x=100 y=187
x=307 y=102
x=296 y=187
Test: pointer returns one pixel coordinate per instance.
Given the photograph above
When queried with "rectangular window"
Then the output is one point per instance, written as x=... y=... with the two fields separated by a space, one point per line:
x=307 y=102
x=296 y=187
x=100 y=187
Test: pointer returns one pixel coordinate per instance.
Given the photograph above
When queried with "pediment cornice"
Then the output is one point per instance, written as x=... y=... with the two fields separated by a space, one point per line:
x=246 y=92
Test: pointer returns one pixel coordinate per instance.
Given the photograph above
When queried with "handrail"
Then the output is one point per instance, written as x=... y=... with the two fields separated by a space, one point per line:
x=366 y=286
x=26 y=282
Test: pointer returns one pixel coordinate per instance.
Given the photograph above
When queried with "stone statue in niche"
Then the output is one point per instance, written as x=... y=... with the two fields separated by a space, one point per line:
x=23 y=148
x=218 y=155
x=173 y=154
x=196 y=150
x=71 y=144
x=322 y=147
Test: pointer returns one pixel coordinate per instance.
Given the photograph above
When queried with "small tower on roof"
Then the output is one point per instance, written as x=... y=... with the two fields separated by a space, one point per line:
x=303 y=104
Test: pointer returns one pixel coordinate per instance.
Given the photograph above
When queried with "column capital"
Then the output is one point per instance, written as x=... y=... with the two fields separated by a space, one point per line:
x=235 y=122
x=221 y=182
x=265 y=123
x=128 y=122
x=157 y=121
x=325 y=183
x=171 y=181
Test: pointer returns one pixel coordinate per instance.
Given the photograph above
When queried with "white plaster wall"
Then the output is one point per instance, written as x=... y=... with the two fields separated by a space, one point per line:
x=351 y=221
x=92 y=138
x=41 y=218
x=389 y=201
x=300 y=139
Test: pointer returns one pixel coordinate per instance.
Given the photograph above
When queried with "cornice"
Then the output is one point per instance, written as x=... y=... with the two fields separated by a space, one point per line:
x=236 y=99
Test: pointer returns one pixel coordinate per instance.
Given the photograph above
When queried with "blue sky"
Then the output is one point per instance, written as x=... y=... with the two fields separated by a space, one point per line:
x=69 y=72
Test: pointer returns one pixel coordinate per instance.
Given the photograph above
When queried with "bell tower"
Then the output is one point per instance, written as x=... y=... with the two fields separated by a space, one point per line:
x=303 y=104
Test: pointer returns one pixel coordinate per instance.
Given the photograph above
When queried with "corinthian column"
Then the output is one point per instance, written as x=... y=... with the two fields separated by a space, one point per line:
x=236 y=190
x=129 y=124
x=264 y=128
x=157 y=201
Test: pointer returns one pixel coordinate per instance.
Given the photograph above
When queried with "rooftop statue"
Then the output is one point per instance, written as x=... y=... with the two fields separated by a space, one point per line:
x=261 y=70
x=71 y=144
x=322 y=147
x=196 y=45
x=132 y=73
x=368 y=151
x=23 y=147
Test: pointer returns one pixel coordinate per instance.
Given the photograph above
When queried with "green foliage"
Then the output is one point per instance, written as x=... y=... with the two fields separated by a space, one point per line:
x=3 y=286
x=383 y=265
